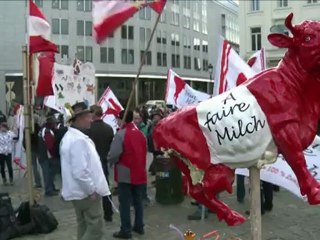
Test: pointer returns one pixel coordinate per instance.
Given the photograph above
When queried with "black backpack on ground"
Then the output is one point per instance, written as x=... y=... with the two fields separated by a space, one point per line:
x=43 y=218
x=7 y=218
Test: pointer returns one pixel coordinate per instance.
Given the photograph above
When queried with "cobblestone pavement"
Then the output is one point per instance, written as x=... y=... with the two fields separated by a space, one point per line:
x=291 y=219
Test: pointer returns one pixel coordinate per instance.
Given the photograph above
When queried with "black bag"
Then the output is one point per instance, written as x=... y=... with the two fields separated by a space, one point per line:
x=43 y=218
x=7 y=218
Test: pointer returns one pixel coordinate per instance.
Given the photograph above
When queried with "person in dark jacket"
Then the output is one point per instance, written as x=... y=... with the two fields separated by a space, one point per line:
x=129 y=154
x=102 y=135
x=47 y=157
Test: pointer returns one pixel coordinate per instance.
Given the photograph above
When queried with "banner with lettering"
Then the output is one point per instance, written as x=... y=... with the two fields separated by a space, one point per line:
x=231 y=69
x=281 y=174
x=111 y=108
x=72 y=84
x=180 y=94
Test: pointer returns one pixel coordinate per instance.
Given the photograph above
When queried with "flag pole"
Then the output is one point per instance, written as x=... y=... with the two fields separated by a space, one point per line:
x=27 y=122
x=134 y=89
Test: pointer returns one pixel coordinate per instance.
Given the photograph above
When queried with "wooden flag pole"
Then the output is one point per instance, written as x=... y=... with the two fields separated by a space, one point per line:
x=136 y=80
x=255 y=207
x=27 y=120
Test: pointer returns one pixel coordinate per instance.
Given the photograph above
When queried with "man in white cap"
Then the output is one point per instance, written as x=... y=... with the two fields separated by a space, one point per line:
x=83 y=180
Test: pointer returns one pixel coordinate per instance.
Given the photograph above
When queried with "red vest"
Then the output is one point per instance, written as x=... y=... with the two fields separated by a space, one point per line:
x=134 y=156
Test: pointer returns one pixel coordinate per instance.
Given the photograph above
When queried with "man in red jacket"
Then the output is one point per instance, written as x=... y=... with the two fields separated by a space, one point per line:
x=129 y=152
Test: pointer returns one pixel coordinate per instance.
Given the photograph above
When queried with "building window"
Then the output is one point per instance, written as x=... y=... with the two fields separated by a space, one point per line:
x=39 y=3
x=255 y=39
x=282 y=3
x=106 y=55
x=204 y=46
x=196 y=25
x=148 y=60
x=196 y=44
x=127 y=32
x=175 y=18
x=80 y=53
x=312 y=1
x=64 y=50
x=161 y=59
x=60 y=26
x=205 y=65
x=163 y=17
x=60 y=4
x=187 y=62
x=127 y=56
x=145 y=13
x=197 y=65
x=175 y=40
x=175 y=60
x=84 y=5
x=186 y=22
x=84 y=28
x=162 y=37
x=186 y=42
x=255 y=5
x=84 y=55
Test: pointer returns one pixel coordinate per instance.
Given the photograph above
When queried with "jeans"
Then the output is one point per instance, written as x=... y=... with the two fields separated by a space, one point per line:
x=89 y=218
x=35 y=169
x=130 y=193
x=6 y=160
x=107 y=206
x=48 y=171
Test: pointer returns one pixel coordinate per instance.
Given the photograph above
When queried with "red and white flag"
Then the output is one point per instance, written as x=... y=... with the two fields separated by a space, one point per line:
x=111 y=108
x=258 y=61
x=180 y=94
x=39 y=31
x=108 y=15
x=231 y=70
x=46 y=68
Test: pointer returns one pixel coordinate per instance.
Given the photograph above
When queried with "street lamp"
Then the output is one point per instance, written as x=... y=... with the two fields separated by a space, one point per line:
x=210 y=70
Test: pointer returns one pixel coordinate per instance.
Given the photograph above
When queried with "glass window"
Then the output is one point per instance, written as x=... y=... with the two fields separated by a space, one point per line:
x=124 y=32
x=64 y=4
x=89 y=54
x=187 y=62
x=205 y=46
x=39 y=3
x=131 y=56
x=158 y=36
x=88 y=28
x=163 y=17
x=80 y=5
x=175 y=18
x=145 y=13
x=148 y=60
x=64 y=26
x=255 y=5
x=312 y=1
x=55 y=25
x=80 y=53
x=111 y=55
x=255 y=39
x=130 y=32
x=55 y=3
x=164 y=59
x=124 y=56
x=186 y=21
x=175 y=60
x=164 y=37
x=197 y=66
x=205 y=65
x=64 y=50
x=103 y=54
x=80 y=28
x=142 y=35
x=282 y=3
x=88 y=5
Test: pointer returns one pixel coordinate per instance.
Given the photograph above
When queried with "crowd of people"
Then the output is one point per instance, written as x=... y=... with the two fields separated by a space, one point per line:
x=83 y=149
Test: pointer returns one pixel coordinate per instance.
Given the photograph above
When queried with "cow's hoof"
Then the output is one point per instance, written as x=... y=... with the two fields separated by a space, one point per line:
x=314 y=197
x=234 y=218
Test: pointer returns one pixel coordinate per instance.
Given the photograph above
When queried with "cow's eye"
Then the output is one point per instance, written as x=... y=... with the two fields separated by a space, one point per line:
x=307 y=38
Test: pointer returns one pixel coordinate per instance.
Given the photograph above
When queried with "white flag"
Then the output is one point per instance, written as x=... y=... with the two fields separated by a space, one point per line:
x=111 y=108
x=180 y=94
x=231 y=70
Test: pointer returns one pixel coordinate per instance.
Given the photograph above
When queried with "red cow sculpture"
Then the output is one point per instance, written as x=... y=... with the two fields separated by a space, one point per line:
x=277 y=111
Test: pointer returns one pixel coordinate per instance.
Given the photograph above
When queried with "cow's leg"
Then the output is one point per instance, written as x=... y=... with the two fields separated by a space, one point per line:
x=290 y=146
x=219 y=178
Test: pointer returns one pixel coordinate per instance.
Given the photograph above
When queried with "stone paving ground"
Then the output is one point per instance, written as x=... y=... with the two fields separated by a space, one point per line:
x=291 y=219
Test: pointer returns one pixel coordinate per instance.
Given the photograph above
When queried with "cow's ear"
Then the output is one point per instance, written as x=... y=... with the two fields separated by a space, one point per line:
x=280 y=40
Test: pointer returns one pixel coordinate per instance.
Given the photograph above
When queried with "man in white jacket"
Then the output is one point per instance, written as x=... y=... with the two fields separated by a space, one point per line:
x=83 y=180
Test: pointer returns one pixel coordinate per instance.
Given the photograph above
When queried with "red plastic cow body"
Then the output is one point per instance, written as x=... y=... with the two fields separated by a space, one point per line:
x=283 y=102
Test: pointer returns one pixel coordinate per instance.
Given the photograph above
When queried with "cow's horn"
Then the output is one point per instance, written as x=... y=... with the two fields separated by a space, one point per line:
x=289 y=25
